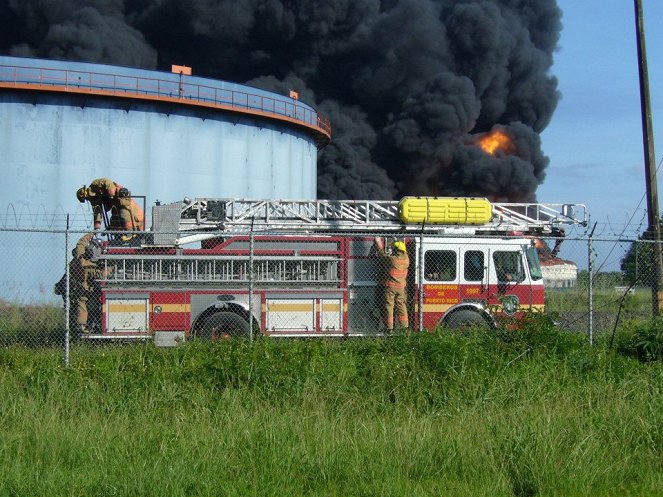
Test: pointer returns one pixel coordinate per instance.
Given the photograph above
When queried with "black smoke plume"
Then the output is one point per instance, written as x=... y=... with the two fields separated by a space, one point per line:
x=408 y=84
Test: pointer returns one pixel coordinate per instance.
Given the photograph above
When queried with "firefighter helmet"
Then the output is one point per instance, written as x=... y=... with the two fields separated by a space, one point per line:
x=92 y=249
x=89 y=253
x=400 y=246
x=81 y=194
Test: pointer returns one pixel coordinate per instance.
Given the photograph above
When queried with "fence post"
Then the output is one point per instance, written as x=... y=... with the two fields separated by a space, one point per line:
x=67 y=309
x=420 y=277
x=590 y=288
x=251 y=241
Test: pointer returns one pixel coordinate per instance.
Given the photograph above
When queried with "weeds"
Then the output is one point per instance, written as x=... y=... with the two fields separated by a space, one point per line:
x=31 y=325
x=533 y=411
x=642 y=340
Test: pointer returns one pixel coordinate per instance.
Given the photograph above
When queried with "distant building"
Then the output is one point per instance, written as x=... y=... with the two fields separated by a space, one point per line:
x=559 y=273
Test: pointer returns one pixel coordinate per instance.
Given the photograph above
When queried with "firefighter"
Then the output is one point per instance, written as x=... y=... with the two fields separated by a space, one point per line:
x=394 y=280
x=106 y=196
x=84 y=288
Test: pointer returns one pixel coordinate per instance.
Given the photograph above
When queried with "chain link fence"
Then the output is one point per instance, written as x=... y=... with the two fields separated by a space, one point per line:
x=59 y=290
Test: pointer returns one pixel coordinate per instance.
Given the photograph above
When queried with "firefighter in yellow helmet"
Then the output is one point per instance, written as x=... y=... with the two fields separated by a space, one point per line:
x=106 y=196
x=393 y=282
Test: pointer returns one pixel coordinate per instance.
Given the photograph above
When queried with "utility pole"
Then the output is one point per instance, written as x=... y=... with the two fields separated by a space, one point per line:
x=654 y=228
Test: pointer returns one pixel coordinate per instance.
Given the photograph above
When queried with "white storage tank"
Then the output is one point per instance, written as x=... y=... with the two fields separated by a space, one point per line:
x=162 y=135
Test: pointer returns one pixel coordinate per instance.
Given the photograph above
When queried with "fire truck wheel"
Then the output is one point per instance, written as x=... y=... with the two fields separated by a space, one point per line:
x=465 y=318
x=223 y=325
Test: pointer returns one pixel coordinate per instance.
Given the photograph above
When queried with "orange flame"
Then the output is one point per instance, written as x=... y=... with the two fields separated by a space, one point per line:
x=495 y=141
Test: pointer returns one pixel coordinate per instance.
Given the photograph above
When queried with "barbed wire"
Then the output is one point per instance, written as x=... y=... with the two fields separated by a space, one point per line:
x=24 y=215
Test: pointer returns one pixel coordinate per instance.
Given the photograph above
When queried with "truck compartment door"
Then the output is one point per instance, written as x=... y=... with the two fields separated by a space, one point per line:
x=308 y=315
x=283 y=315
x=331 y=316
x=127 y=314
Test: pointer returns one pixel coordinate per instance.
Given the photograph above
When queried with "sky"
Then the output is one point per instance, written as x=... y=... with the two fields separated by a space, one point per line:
x=594 y=139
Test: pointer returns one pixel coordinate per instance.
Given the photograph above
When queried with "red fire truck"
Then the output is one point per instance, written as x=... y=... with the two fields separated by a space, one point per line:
x=226 y=267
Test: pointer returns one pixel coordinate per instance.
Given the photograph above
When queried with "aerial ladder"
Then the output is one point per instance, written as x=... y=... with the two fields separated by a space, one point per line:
x=198 y=219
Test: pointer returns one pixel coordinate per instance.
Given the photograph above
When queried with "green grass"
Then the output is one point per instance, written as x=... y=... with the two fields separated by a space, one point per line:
x=571 y=307
x=577 y=299
x=534 y=412
x=31 y=325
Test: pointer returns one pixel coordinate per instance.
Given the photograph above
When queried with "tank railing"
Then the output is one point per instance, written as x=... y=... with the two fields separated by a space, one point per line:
x=116 y=84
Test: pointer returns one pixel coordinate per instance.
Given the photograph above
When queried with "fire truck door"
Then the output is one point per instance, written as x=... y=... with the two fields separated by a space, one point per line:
x=441 y=288
x=508 y=274
x=474 y=275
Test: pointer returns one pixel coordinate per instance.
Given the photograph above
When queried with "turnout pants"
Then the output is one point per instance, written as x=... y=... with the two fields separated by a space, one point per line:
x=395 y=300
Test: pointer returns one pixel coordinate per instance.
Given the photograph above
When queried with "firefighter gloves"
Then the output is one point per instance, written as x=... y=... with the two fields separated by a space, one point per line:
x=82 y=194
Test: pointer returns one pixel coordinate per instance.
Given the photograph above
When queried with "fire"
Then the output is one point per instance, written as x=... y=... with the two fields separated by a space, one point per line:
x=495 y=141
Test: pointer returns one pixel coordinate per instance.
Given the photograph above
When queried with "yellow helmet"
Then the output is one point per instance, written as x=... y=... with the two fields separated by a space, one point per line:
x=81 y=194
x=400 y=246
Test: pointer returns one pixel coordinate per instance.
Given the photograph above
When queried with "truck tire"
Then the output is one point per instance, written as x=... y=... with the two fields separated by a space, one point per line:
x=223 y=325
x=465 y=318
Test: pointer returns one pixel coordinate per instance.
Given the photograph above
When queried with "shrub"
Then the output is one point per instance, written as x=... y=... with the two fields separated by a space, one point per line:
x=539 y=332
x=642 y=340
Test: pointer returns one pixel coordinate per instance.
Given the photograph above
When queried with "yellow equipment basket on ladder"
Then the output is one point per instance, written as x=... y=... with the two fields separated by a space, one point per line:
x=445 y=210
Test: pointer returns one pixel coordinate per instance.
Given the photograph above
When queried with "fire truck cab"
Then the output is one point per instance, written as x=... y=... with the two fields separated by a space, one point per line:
x=468 y=281
x=310 y=268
